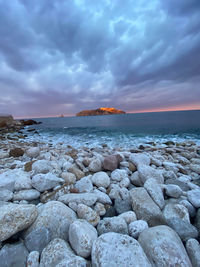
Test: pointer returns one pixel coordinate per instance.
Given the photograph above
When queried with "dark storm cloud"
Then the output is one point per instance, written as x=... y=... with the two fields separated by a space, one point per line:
x=62 y=56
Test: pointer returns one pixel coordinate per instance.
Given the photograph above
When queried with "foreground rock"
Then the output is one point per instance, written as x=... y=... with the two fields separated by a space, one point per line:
x=163 y=247
x=14 y=255
x=59 y=253
x=81 y=237
x=52 y=222
x=15 y=218
x=112 y=249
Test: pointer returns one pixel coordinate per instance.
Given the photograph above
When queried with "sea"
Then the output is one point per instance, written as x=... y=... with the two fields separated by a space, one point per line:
x=120 y=131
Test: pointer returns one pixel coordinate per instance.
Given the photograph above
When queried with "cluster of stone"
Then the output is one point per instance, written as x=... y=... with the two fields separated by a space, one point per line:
x=99 y=207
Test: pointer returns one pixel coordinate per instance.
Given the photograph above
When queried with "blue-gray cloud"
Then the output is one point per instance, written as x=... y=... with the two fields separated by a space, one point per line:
x=62 y=56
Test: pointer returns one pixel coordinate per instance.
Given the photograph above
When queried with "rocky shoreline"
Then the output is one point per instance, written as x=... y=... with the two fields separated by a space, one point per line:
x=61 y=206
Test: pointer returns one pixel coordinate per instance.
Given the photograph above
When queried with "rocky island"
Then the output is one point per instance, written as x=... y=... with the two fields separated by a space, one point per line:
x=100 y=111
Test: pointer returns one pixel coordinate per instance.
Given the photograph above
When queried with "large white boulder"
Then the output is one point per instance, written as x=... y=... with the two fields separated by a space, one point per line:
x=163 y=247
x=113 y=249
x=140 y=159
x=33 y=152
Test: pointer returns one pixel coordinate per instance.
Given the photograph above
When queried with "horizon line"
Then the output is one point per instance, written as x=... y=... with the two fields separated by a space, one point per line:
x=128 y=112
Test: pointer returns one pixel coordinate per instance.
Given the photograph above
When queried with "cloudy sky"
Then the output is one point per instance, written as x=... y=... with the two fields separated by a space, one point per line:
x=62 y=56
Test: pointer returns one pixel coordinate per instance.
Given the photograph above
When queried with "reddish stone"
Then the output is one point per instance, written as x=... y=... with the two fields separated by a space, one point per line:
x=111 y=163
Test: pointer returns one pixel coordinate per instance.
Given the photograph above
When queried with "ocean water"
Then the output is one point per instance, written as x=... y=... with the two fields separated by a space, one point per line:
x=124 y=130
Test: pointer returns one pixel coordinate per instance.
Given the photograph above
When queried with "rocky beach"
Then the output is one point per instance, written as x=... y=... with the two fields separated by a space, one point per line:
x=98 y=206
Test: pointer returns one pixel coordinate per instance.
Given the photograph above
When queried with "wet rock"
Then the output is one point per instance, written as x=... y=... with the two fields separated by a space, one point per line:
x=59 y=253
x=144 y=207
x=16 y=152
x=43 y=182
x=101 y=179
x=14 y=255
x=136 y=228
x=113 y=249
x=81 y=237
x=14 y=218
x=114 y=224
x=85 y=198
x=163 y=247
x=193 y=250
x=88 y=214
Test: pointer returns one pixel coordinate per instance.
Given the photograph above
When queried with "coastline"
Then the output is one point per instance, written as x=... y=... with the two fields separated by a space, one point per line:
x=121 y=190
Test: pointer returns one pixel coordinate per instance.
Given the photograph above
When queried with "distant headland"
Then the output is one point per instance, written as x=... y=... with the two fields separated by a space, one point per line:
x=100 y=111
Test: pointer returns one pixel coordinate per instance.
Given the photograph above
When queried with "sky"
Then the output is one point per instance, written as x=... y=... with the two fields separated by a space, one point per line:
x=63 y=56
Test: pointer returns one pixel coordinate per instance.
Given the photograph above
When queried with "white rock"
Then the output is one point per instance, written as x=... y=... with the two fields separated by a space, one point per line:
x=195 y=168
x=43 y=182
x=100 y=209
x=176 y=211
x=41 y=166
x=135 y=179
x=22 y=180
x=113 y=249
x=58 y=253
x=128 y=216
x=86 y=198
x=88 y=214
x=53 y=221
x=144 y=207
x=114 y=191
x=5 y=195
x=140 y=159
x=95 y=165
x=67 y=165
x=81 y=237
x=154 y=190
x=194 y=197
x=33 y=259
x=125 y=182
x=14 y=218
x=163 y=247
x=118 y=174
x=173 y=190
x=6 y=181
x=190 y=208
x=102 y=197
x=193 y=250
x=84 y=184
x=29 y=194
x=73 y=206
x=112 y=224
x=33 y=152
x=136 y=228
x=101 y=179
x=146 y=172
